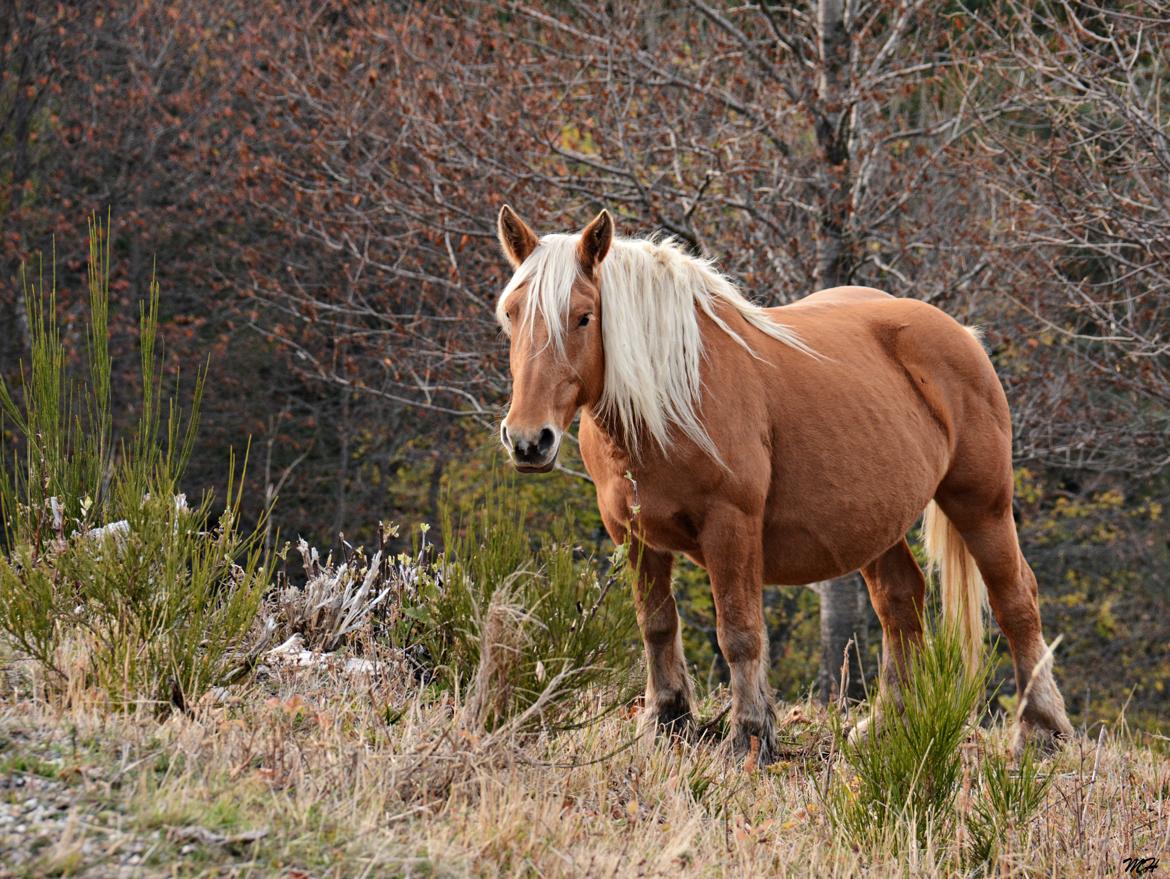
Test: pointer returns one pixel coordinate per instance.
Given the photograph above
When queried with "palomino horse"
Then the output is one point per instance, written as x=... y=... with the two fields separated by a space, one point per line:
x=770 y=445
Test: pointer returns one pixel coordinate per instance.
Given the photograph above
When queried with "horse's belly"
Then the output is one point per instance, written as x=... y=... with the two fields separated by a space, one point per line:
x=798 y=554
x=823 y=525
x=849 y=479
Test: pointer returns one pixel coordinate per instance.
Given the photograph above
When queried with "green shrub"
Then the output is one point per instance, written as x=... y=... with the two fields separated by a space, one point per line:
x=103 y=551
x=523 y=628
x=904 y=778
x=906 y=772
x=1006 y=798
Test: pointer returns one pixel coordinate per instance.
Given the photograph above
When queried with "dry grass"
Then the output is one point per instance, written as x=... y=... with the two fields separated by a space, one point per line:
x=315 y=773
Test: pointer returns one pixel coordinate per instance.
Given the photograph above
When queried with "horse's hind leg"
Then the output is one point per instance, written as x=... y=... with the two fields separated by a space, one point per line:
x=989 y=532
x=669 y=694
x=897 y=591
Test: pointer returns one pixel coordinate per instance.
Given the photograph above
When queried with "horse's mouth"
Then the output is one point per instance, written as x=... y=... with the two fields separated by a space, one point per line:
x=537 y=468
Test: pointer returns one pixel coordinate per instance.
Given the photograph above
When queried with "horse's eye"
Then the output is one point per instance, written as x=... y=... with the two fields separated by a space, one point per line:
x=584 y=321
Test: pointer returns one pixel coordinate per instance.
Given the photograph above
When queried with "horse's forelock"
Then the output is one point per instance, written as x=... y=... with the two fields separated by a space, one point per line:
x=547 y=276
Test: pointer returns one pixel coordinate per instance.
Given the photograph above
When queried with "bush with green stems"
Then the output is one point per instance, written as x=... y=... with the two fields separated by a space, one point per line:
x=907 y=770
x=102 y=551
x=1007 y=798
x=524 y=627
x=903 y=780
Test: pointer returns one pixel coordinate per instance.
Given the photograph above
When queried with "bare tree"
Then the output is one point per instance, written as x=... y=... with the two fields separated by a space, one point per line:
x=841 y=69
x=1081 y=177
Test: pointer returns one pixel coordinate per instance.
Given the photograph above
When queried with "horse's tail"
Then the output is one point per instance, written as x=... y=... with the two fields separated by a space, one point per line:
x=963 y=591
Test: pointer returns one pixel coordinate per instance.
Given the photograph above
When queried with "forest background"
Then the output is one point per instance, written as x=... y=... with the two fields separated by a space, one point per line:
x=315 y=187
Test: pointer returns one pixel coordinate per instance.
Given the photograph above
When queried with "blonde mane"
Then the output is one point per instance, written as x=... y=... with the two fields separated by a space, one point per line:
x=652 y=291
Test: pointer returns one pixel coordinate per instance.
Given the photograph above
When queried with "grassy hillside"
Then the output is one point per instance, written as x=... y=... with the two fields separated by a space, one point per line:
x=320 y=773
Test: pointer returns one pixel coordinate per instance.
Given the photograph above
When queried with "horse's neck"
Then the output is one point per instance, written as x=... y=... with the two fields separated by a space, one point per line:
x=610 y=434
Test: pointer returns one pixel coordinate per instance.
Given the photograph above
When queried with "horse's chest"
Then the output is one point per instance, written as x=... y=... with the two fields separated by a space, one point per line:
x=660 y=501
x=656 y=517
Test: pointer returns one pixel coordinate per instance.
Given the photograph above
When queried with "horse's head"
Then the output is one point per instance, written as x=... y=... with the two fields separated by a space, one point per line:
x=551 y=312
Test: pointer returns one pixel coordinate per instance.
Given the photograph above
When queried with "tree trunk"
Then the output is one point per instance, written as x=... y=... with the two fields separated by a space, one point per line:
x=343 y=434
x=17 y=347
x=844 y=602
x=434 y=492
x=844 y=622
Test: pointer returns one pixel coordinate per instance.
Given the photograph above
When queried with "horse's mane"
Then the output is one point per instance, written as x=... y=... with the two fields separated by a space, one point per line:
x=652 y=291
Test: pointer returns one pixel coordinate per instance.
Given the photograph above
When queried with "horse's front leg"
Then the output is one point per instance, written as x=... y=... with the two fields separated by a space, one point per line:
x=733 y=552
x=669 y=695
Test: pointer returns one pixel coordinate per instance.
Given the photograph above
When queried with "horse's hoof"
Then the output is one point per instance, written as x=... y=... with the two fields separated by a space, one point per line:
x=1044 y=740
x=1043 y=725
x=755 y=744
x=670 y=717
x=860 y=731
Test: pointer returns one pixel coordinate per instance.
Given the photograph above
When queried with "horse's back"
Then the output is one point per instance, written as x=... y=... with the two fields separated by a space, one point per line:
x=838 y=295
x=843 y=322
x=905 y=353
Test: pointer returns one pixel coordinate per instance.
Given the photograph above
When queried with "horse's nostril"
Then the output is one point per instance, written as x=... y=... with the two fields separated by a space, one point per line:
x=545 y=443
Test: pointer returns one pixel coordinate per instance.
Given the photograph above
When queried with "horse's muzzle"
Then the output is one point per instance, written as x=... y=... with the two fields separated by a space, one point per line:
x=532 y=451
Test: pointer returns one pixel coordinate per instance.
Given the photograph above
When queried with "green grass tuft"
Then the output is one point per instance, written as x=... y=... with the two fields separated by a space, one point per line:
x=525 y=625
x=1007 y=798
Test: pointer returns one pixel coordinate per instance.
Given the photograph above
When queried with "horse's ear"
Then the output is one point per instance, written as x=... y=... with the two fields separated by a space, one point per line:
x=517 y=240
x=595 y=241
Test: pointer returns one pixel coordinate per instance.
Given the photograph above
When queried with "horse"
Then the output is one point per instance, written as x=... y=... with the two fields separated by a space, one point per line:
x=781 y=446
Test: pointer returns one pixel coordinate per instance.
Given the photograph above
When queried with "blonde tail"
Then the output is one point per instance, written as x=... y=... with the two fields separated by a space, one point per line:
x=963 y=593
